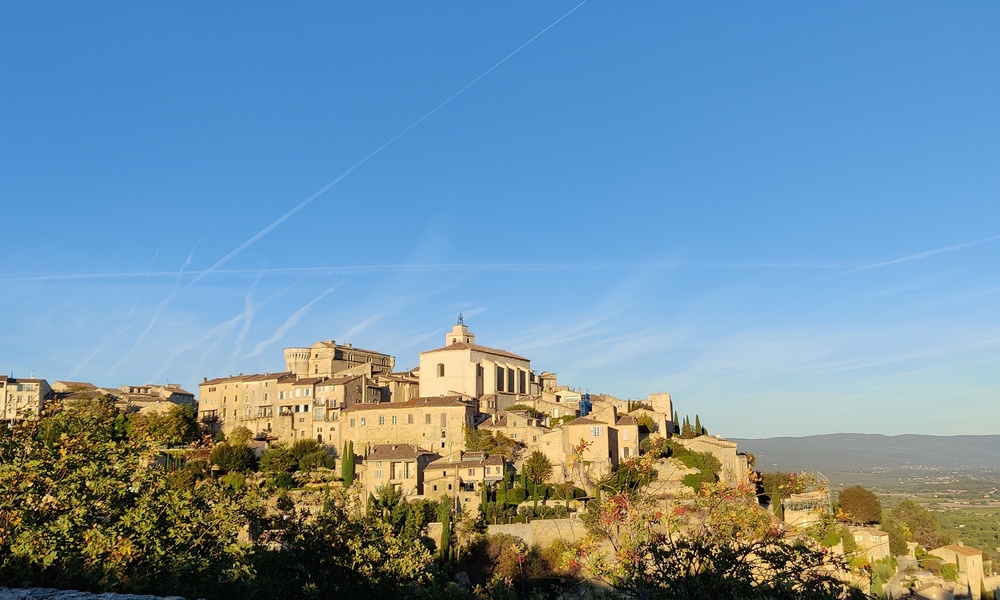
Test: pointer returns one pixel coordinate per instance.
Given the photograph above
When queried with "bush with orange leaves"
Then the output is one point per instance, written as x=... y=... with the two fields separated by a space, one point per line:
x=715 y=544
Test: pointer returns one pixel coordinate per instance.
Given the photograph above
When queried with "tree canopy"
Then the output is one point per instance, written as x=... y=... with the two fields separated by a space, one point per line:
x=860 y=505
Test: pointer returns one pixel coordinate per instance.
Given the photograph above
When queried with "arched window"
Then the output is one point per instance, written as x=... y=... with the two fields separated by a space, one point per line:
x=440 y=369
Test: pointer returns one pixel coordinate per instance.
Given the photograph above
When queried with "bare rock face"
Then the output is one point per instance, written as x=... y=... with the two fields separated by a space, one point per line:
x=53 y=594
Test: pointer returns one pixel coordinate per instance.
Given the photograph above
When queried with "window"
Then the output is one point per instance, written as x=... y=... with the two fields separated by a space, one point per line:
x=378 y=464
x=409 y=418
x=308 y=392
x=444 y=420
x=626 y=434
x=499 y=379
x=521 y=376
x=510 y=380
x=435 y=488
x=378 y=473
x=393 y=419
x=444 y=434
x=381 y=420
x=427 y=419
x=594 y=431
x=362 y=421
x=440 y=369
x=472 y=472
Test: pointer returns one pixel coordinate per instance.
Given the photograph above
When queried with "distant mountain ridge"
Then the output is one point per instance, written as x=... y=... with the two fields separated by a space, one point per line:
x=862 y=452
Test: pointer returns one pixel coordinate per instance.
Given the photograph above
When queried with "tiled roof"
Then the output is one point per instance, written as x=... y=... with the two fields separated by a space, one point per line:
x=583 y=421
x=442 y=401
x=396 y=452
x=465 y=463
x=627 y=420
x=963 y=550
x=251 y=377
x=477 y=348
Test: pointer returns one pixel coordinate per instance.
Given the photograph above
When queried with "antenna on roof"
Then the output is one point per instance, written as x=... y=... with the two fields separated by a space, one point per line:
x=461 y=321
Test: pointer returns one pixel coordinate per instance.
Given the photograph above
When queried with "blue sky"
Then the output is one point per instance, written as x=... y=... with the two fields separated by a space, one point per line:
x=786 y=215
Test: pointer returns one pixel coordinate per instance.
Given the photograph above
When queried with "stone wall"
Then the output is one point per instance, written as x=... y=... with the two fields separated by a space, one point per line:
x=543 y=532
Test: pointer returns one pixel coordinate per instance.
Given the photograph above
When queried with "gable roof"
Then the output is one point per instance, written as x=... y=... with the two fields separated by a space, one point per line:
x=437 y=401
x=478 y=348
x=396 y=452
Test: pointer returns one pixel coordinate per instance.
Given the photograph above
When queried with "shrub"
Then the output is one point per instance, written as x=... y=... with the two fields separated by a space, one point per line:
x=517 y=495
x=233 y=458
x=284 y=480
x=285 y=503
x=313 y=460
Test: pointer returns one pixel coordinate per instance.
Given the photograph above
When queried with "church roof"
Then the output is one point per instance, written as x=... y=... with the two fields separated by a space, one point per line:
x=478 y=348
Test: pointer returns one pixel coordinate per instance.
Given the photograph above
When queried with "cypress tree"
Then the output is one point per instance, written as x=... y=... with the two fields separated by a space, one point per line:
x=444 y=513
x=697 y=425
x=502 y=492
x=677 y=424
x=348 y=465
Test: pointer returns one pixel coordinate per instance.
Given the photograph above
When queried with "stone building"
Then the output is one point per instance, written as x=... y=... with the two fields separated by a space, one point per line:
x=873 y=541
x=517 y=425
x=22 y=398
x=400 y=466
x=463 y=368
x=970 y=566
x=735 y=465
x=438 y=424
x=328 y=358
x=462 y=477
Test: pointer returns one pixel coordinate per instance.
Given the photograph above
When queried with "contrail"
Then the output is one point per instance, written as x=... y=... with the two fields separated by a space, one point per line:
x=235 y=252
x=917 y=256
x=290 y=322
x=156 y=312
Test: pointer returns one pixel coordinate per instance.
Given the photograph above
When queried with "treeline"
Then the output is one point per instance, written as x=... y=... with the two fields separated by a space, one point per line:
x=85 y=504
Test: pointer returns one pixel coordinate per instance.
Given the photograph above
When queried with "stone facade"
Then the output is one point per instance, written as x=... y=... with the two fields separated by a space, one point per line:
x=735 y=465
x=400 y=466
x=463 y=368
x=328 y=358
x=462 y=478
x=436 y=424
x=22 y=398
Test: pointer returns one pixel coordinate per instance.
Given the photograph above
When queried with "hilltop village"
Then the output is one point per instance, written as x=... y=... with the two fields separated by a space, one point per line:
x=453 y=432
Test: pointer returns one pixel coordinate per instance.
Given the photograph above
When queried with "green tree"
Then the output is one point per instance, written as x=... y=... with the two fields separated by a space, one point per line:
x=277 y=459
x=697 y=425
x=347 y=464
x=537 y=469
x=647 y=424
x=240 y=436
x=233 y=458
x=860 y=505
x=82 y=506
